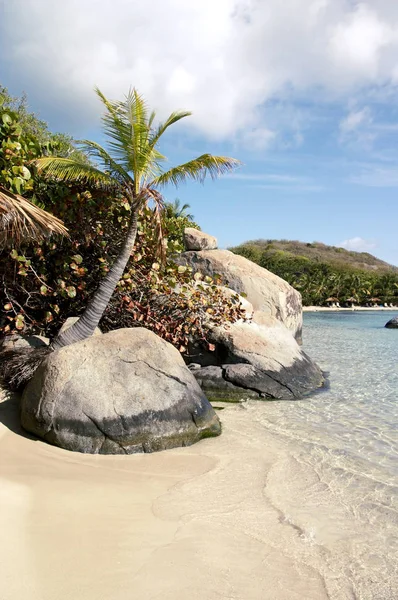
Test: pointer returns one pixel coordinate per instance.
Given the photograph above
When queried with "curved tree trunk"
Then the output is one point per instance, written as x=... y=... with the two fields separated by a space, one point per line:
x=85 y=326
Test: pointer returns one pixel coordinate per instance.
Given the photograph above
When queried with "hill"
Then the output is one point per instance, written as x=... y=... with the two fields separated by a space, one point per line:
x=321 y=272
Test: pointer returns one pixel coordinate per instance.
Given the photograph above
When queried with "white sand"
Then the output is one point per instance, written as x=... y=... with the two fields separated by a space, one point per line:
x=209 y=522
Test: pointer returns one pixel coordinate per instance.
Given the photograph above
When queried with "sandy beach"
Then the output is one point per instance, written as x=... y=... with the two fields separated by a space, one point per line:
x=206 y=522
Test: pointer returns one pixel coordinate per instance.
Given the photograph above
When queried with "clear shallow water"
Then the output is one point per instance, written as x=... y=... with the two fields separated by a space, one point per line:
x=339 y=484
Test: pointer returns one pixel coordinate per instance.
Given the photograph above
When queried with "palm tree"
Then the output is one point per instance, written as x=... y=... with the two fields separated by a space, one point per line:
x=174 y=209
x=130 y=166
x=21 y=221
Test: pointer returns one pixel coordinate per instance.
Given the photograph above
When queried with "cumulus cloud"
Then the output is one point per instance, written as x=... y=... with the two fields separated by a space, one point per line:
x=358 y=244
x=222 y=59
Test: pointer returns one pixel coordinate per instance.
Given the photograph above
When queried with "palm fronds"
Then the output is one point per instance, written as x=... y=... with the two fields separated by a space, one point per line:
x=197 y=169
x=113 y=168
x=22 y=221
x=176 y=209
x=173 y=118
x=69 y=170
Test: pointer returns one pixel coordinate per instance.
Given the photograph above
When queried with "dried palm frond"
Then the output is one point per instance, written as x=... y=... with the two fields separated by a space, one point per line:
x=18 y=365
x=22 y=221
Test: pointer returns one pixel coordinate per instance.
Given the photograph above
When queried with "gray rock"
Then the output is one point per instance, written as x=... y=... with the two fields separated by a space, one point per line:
x=262 y=358
x=392 y=323
x=71 y=321
x=29 y=341
x=194 y=366
x=213 y=382
x=126 y=391
x=198 y=240
x=264 y=290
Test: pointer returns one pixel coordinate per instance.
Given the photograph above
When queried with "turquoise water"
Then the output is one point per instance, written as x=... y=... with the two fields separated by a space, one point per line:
x=361 y=405
x=342 y=465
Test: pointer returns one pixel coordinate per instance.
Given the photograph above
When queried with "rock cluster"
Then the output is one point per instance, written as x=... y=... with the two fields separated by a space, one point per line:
x=258 y=359
x=129 y=391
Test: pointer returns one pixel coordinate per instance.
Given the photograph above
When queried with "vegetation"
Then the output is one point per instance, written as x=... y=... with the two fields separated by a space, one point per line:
x=325 y=274
x=178 y=210
x=174 y=211
x=118 y=258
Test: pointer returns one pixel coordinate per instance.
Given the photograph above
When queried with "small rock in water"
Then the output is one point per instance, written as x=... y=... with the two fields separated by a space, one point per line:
x=392 y=323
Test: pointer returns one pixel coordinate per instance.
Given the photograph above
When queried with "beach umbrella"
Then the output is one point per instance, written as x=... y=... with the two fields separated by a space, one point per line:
x=352 y=299
x=375 y=300
x=332 y=299
x=21 y=221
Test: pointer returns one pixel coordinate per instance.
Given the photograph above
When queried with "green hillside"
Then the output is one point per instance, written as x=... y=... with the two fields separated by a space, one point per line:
x=321 y=272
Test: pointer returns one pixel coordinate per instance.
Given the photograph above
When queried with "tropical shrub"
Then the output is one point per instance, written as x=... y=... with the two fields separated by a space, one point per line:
x=42 y=284
x=45 y=283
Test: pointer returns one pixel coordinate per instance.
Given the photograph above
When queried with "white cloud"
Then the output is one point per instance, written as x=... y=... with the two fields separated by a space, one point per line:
x=267 y=177
x=382 y=177
x=354 y=119
x=221 y=59
x=258 y=138
x=277 y=181
x=358 y=244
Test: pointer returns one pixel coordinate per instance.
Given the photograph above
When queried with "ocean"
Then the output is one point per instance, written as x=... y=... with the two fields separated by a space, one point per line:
x=339 y=485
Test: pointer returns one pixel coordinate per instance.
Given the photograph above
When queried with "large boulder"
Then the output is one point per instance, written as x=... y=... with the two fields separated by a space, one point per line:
x=392 y=323
x=264 y=290
x=258 y=359
x=123 y=392
x=198 y=240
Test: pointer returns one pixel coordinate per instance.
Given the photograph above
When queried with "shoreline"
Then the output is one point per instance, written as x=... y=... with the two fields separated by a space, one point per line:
x=195 y=517
x=346 y=309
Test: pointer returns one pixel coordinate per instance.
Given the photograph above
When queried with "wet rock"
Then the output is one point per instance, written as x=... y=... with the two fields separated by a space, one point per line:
x=216 y=387
x=262 y=359
x=392 y=323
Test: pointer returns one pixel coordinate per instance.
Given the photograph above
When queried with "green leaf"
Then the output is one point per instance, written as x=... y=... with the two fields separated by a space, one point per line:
x=7 y=120
x=71 y=291
x=26 y=173
x=17 y=184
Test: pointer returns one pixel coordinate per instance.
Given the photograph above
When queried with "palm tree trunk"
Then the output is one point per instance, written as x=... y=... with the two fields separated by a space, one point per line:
x=85 y=326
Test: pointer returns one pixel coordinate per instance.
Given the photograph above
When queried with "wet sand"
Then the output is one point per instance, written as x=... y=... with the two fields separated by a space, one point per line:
x=187 y=523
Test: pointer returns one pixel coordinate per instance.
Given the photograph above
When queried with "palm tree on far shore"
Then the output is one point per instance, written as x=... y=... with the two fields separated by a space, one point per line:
x=130 y=166
x=176 y=209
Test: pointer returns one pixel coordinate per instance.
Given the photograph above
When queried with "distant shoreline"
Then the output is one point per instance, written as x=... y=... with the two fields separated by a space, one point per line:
x=355 y=308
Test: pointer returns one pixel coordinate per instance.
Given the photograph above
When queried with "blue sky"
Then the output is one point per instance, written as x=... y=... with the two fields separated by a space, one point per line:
x=304 y=93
